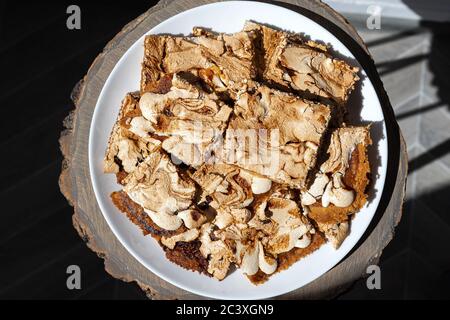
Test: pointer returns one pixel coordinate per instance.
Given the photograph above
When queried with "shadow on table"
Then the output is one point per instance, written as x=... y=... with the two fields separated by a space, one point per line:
x=413 y=273
x=415 y=265
x=437 y=62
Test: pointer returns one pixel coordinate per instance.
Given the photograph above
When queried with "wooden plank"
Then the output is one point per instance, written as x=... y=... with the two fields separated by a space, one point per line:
x=76 y=185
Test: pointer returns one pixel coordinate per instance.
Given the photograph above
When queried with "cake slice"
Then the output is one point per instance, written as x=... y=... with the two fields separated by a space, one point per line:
x=131 y=141
x=339 y=188
x=306 y=67
x=227 y=191
x=158 y=198
x=275 y=134
x=187 y=119
x=230 y=191
x=224 y=62
x=158 y=187
x=181 y=245
x=126 y=149
x=258 y=225
x=224 y=186
x=273 y=237
x=285 y=236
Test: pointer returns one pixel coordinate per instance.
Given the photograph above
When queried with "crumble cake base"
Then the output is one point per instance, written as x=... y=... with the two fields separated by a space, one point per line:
x=287 y=259
x=184 y=254
x=287 y=60
x=356 y=177
x=348 y=161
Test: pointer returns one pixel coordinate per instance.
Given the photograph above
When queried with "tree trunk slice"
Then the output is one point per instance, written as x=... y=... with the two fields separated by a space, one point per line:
x=75 y=182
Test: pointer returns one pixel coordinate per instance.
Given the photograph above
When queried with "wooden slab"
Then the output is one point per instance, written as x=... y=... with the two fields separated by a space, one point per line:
x=75 y=182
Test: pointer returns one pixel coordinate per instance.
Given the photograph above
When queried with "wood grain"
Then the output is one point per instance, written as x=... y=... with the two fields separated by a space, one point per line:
x=75 y=182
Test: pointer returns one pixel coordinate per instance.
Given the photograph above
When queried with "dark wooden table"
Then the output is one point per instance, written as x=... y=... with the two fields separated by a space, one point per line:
x=42 y=60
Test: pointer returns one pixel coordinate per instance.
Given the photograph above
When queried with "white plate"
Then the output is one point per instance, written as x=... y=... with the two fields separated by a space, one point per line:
x=223 y=17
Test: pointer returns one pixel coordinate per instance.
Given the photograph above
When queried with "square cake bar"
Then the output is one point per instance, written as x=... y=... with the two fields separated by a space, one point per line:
x=291 y=62
x=276 y=135
x=224 y=62
x=128 y=145
x=339 y=188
